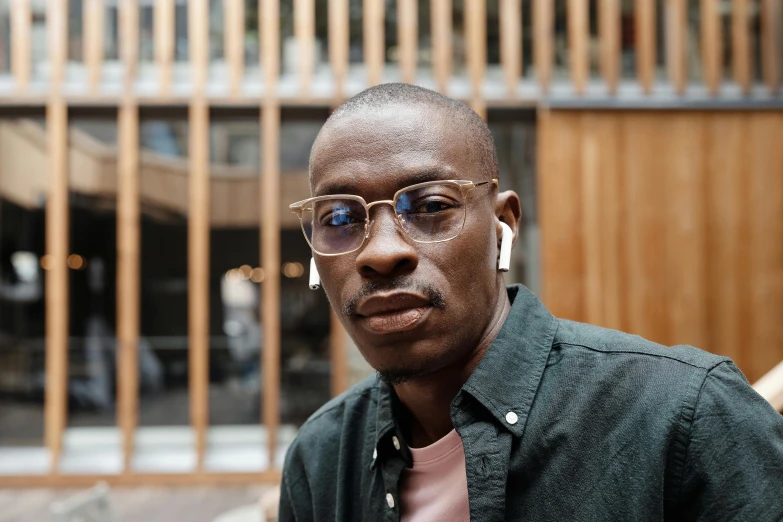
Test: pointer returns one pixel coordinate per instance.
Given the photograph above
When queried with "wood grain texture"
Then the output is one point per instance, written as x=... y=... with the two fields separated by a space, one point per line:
x=441 y=42
x=578 y=55
x=511 y=44
x=675 y=34
x=609 y=41
x=646 y=43
x=21 y=18
x=543 y=47
x=408 y=38
x=740 y=43
x=667 y=225
x=711 y=44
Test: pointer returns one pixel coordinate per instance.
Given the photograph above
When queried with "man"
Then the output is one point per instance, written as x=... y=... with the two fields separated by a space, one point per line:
x=485 y=406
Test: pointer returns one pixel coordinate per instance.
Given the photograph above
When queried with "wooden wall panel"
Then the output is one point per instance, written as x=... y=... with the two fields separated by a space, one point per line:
x=667 y=225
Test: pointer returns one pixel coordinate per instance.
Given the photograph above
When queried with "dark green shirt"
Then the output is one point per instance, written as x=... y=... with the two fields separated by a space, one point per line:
x=605 y=426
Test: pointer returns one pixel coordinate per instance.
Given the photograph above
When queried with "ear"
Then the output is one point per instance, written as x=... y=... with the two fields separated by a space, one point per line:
x=509 y=211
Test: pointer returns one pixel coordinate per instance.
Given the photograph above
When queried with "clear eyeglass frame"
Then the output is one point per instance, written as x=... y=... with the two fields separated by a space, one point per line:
x=464 y=186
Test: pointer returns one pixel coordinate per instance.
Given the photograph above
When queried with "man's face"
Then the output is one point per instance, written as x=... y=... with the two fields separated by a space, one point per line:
x=412 y=308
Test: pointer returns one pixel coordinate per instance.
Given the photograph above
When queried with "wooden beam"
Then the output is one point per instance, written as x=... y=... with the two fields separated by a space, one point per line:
x=304 y=33
x=772 y=43
x=543 y=29
x=57 y=34
x=269 y=26
x=711 y=44
x=645 y=44
x=93 y=41
x=408 y=38
x=578 y=54
x=476 y=37
x=128 y=280
x=338 y=44
x=441 y=42
x=676 y=25
x=511 y=44
x=57 y=303
x=129 y=42
x=339 y=355
x=198 y=44
x=217 y=479
x=234 y=42
x=270 y=261
x=21 y=18
x=609 y=41
x=163 y=20
x=198 y=272
x=374 y=40
x=740 y=43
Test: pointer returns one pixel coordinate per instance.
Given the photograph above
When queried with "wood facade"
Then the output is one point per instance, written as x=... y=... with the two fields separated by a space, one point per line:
x=666 y=224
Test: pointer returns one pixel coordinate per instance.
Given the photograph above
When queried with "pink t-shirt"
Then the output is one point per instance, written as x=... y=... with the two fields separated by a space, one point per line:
x=436 y=487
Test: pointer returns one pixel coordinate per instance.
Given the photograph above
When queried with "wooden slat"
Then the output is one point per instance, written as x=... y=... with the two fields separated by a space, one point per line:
x=198 y=272
x=543 y=48
x=129 y=42
x=198 y=44
x=57 y=305
x=711 y=44
x=374 y=38
x=441 y=42
x=740 y=43
x=338 y=44
x=476 y=44
x=645 y=44
x=270 y=261
x=93 y=41
x=166 y=480
x=21 y=19
x=128 y=280
x=269 y=25
x=609 y=40
x=57 y=35
x=163 y=36
x=511 y=44
x=304 y=32
x=234 y=42
x=408 y=38
x=676 y=26
x=578 y=32
x=772 y=43
x=339 y=355
x=591 y=203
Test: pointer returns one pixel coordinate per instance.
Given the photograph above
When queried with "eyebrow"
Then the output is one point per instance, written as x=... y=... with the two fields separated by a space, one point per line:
x=413 y=178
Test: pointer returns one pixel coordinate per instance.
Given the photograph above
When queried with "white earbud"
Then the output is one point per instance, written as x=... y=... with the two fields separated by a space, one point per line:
x=315 y=279
x=505 y=248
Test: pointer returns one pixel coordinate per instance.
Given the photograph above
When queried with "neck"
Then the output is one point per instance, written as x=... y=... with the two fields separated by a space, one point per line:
x=428 y=398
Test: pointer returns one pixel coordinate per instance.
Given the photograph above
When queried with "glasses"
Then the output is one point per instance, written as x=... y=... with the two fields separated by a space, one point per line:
x=430 y=212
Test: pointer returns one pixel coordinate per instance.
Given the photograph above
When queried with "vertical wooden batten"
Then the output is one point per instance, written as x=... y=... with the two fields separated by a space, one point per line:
x=740 y=43
x=234 y=43
x=407 y=36
x=270 y=227
x=543 y=48
x=578 y=32
x=93 y=41
x=676 y=25
x=511 y=44
x=57 y=238
x=645 y=36
x=609 y=41
x=128 y=237
x=476 y=37
x=711 y=44
x=441 y=42
x=771 y=43
x=338 y=45
x=198 y=227
x=21 y=18
x=304 y=33
x=163 y=39
x=374 y=40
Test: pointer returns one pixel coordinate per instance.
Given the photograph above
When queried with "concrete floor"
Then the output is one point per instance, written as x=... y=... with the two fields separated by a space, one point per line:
x=197 y=504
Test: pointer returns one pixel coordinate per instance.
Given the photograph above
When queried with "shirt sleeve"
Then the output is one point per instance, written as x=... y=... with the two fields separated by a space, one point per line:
x=733 y=467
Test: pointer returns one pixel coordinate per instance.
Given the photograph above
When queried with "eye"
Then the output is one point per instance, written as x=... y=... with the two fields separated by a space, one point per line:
x=338 y=218
x=432 y=205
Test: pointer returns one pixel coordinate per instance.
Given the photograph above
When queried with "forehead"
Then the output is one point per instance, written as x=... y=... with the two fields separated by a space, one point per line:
x=374 y=153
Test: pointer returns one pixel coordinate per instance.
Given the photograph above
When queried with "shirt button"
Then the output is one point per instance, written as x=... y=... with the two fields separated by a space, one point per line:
x=511 y=417
x=374 y=453
x=390 y=500
x=396 y=442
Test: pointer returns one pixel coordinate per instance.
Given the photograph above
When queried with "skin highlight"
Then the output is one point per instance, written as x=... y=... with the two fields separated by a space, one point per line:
x=423 y=315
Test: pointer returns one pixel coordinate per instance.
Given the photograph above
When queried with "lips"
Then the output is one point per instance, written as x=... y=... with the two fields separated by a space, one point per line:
x=393 y=312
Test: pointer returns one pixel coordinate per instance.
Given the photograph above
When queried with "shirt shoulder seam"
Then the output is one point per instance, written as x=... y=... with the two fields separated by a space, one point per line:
x=709 y=368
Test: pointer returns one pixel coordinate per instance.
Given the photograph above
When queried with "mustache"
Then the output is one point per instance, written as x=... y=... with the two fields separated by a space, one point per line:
x=433 y=294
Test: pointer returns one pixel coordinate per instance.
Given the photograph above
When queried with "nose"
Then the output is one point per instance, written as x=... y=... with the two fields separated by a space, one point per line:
x=388 y=251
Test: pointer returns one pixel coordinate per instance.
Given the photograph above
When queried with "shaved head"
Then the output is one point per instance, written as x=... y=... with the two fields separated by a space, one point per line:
x=475 y=132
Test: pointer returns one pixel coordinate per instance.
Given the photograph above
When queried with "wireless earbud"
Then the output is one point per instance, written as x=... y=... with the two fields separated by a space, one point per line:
x=315 y=279
x=505 y=248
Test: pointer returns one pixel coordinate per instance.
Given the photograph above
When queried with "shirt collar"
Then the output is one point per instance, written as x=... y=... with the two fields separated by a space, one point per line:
x=507 y=377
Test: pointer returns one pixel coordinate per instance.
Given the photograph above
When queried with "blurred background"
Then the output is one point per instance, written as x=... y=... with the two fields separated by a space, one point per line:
x=156 y=327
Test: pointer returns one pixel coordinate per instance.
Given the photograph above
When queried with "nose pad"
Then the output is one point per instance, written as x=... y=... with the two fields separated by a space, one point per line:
x=368 y=228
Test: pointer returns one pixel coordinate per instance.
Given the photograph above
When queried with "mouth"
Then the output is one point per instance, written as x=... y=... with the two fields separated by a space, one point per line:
x=393 y=312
